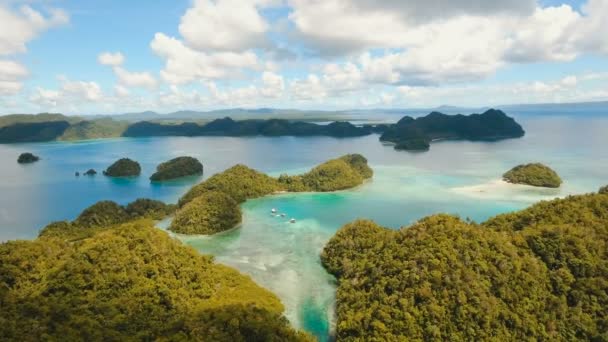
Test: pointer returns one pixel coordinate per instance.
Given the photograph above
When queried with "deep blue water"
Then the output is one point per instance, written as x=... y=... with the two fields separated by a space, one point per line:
x=455 y=177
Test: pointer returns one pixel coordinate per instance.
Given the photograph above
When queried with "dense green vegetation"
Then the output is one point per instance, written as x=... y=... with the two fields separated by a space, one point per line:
x=131 y=282
x=94 y=129
x=603 y=190
x=27 y=157
x=210 y=213
x=537 y=274
x=413 y=145
x=337 y=174
x=177 y=168
x=123 y=167
x=534 y=174
x=239 y=182
x=105 y=214
x=149 y=208
x=212 y=206
x=12 y=119
x=32 y=132
x=416 y=134
x=229 y=127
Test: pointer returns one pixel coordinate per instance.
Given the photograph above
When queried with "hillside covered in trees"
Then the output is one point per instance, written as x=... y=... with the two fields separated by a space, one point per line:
x=123 y=167
x=416 y=134
x=130 y=282
x=537 y=274
x=213 y=205
x=533 y=174
x=407 y=134
x=177 y=168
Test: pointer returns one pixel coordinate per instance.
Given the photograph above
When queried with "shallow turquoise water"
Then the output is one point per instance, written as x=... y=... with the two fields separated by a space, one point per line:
x=454 y=177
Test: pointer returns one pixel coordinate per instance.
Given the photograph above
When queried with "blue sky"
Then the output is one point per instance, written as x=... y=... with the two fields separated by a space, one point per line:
x=90 y=57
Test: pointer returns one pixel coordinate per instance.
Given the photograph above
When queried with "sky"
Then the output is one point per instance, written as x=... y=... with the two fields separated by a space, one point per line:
x=111 y=56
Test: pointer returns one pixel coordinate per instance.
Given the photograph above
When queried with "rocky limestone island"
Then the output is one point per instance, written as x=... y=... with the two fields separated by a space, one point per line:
x=27 y=158
x=177 y=168
x=534 y=174
x=90 y=172
x=417 y=134
x=123 y=167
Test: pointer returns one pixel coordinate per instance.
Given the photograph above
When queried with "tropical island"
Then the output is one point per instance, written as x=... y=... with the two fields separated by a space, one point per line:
x=177 y=168
x=27 y=158
x=412 y=134
x=90 y=172
x=213 y=205
x=417 y=134
x=534 y=174
x=538 y=274
x=123 y=167
x=111 y=275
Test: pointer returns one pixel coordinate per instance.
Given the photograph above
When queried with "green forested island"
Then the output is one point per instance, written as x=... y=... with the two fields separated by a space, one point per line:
x=537 y=274
x=416 y=134
x=130 y=282
x=407 y=134
x=123 y=167
x=27 y=158
x=534 y=174
x=213 y=205
x=177 y=168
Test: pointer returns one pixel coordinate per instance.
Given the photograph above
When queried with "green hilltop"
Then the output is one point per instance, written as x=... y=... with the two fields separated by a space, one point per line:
x=213 y=205
x=537 y=274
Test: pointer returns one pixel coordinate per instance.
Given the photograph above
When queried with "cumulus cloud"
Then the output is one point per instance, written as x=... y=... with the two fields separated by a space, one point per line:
x=228 y=25
x=125 y=77
x=566 y=89
x=121 y=91
x=18 y=28
x=111 y=58
x=448 y=41
x=135 y=79
x=184 y=64
x=273 y=85
x=11 y=74
x=70 y=92
x=21 y=26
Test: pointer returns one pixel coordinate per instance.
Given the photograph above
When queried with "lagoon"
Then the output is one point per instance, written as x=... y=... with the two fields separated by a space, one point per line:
x=457 y=177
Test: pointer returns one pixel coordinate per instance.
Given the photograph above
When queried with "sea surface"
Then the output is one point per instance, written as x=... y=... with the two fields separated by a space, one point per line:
x=456 y=177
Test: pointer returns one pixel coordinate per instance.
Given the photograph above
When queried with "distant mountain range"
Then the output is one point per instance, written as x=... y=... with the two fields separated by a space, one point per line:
x=375 y=114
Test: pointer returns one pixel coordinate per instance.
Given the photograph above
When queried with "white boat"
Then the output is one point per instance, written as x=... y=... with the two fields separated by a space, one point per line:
x=292 y=220
x=273 y=210
x=282 y=215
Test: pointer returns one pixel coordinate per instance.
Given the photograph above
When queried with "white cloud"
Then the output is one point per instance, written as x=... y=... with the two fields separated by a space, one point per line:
x=125 y=77
x=184 y=65
x=19 y=27
x=11 y=75
x=309 y=89
x=121 y=91
x=273 y=85
x=448 y=41
x=111 y=58
x=135 y=79
x=71 y=92
x=228 y=25
x=567 y=89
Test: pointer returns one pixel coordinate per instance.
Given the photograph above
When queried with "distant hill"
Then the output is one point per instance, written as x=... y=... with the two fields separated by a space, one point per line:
x=418 y=133
x=7 y=120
